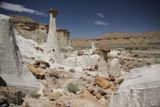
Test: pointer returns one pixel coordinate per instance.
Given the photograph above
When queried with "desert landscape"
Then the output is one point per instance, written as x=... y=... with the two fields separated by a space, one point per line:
x=42 y=66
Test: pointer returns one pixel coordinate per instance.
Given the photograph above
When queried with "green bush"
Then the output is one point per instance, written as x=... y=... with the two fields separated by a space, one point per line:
x=72 y=88
x=65 y=56
x=34 y=94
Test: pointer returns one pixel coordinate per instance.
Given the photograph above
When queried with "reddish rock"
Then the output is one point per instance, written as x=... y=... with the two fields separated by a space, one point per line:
x=86 y=100
x=102 y=82
x=37 y=72
x=98 y=95
x=54 y=96
x=87 y=95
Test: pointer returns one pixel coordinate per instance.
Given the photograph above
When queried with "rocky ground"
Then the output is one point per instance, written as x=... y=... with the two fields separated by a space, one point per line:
x=74 y=88
x=84 y=78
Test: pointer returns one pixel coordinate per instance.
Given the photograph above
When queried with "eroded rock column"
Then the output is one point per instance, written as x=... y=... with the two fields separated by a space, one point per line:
x=52 y=40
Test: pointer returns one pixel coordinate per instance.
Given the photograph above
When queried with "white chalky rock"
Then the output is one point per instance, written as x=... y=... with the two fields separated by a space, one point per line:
x=10 y=60
x=141 y=88
x=52 y=47
x=114 y=67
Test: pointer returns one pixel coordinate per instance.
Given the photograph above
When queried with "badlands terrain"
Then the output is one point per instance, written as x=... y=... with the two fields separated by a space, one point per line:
x=41 y=67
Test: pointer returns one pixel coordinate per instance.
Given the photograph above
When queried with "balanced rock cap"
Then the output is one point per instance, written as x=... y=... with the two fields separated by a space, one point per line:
x=53 y=11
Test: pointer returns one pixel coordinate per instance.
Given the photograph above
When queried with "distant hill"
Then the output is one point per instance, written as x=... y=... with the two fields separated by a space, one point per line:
x=122 y=40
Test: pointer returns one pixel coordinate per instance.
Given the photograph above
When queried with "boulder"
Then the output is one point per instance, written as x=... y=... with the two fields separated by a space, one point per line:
x=140 y=88
x=80 y=53
x=98 y=95
x=54 y=96
x=72 y=70
x=102 y=92
x=3 y=101
x=113 y=87
x=41 y=64
x=111 y=77
x=104 y=101
x=61 y=68
x=102 y=82
x=55 y=73
x=86 y=100
x=37 y=72
x=41 y=102
x=93 y=67
x=87 y=95
x=11 y=95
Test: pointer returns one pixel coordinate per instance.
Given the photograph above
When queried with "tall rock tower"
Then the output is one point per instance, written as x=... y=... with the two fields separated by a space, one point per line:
x=52 y=40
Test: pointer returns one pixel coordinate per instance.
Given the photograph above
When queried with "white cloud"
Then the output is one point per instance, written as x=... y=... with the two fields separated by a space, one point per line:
x=100 y=15
x=100 y=23
x=19 y=8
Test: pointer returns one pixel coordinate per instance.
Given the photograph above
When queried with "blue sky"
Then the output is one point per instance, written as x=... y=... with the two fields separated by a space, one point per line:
x=90 y=18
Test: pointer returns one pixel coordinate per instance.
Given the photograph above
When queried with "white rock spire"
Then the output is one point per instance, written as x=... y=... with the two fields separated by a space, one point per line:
x=93 y=45
x=52 y=40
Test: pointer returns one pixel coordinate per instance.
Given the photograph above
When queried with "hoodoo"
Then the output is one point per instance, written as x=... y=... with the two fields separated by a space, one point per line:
x=52 y=40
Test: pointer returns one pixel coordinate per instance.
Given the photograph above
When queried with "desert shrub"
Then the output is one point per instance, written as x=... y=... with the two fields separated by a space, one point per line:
x=34 y=94
x=72 y=88
x=25 y=105
x=65 y=56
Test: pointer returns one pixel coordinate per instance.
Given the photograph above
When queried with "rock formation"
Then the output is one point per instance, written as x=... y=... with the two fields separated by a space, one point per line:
x=8 y=48
x=85 y=77
x=141 y=88
x=93 y=45
x=8 y=53
x=63 y=38
x=9 y=58
x=52 y=40
x=30 y=29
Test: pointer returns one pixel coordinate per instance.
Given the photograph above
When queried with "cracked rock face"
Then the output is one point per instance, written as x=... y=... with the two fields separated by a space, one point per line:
x=9 y=58
x=141 y=88
x=8 y=49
